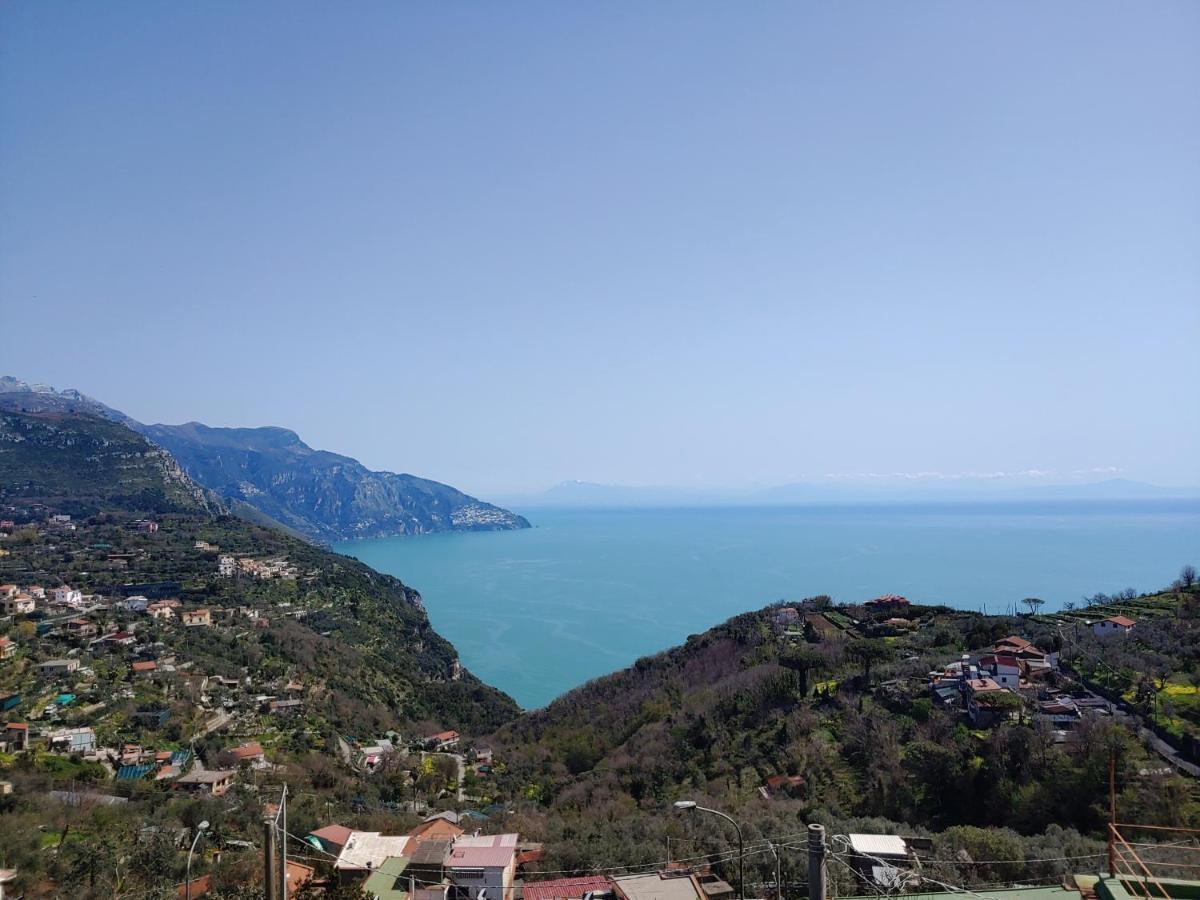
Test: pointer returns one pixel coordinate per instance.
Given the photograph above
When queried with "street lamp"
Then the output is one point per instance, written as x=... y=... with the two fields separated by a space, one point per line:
x=692 y=805
x=187 y=889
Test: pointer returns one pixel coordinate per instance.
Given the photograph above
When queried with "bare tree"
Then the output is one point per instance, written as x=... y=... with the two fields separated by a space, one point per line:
x=1187 y=576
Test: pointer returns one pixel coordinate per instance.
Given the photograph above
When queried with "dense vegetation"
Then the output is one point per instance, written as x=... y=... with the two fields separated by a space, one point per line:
x=49 y=460
x=837 y=701
x=849 y=711
x=1156 y=670
x=364 y=636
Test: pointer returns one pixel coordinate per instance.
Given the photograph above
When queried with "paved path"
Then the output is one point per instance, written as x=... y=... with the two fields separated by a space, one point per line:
x=462 y=773
x=217 y=722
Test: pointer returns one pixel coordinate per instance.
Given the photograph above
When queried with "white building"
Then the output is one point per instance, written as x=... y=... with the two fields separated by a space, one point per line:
x=1004 y=670
x=67 y=596
x=1113 y=625
x=18 y=605
x=365 y=851
x=484 y=866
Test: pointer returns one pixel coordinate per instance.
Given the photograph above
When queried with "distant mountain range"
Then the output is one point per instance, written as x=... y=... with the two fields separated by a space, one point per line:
x=324 y=496
x=590 y=494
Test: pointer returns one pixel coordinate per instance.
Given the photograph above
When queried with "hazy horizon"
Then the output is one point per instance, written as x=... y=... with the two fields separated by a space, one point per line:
x=717 y=248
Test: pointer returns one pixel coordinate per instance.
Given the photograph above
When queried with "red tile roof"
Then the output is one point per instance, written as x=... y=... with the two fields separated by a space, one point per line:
x=999 y=660
x=565 y=888
x=1018 y=642
x=1123 y=621
x=334 y=834
x=200 y=887
x=298 y=874
x=435 y=828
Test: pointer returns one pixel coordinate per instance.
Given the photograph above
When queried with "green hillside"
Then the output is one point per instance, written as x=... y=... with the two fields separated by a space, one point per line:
x=841 y=701
x=83 y=464
x=365 y=635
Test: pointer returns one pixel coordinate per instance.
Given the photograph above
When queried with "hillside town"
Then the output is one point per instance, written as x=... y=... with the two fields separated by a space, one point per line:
x=117 y=691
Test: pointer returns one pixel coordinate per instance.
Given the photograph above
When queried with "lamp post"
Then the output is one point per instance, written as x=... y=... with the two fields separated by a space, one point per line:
x=187 y=888
x=689 y=806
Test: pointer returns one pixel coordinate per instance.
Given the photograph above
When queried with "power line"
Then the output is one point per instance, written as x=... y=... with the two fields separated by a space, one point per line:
x=953 y=888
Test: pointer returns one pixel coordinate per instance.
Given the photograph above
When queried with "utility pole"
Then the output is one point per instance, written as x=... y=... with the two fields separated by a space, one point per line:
x=816 y=862
x=269 y=860
x=1112 y=811
x=778 y=872
x=283 y=843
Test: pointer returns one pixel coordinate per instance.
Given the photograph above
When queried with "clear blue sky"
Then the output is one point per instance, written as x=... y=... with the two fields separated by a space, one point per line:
x=702 y=244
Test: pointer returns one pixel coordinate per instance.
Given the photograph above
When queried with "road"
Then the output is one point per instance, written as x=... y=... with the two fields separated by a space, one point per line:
x=462 y=774
x=1134 y=723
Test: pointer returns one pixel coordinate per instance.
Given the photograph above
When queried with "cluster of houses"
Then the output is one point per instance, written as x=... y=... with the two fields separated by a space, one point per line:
x=247 y=566
x=18 y=601
x=131 y=761
x=71 y=651
x=1014 y=674
x=987 y=686
x=981 y=684
x=441 y=860
x=75 y=645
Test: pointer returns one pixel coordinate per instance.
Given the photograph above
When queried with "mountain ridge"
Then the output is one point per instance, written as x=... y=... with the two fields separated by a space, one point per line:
x=106 y=477
x=594 y=494
x=322 y=495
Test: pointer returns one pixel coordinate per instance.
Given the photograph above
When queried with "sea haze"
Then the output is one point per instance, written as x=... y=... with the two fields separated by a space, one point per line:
x=587 y=591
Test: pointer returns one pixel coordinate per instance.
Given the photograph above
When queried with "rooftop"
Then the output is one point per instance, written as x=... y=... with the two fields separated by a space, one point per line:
x=209 y=776
x=332 y=834
x=657 y=886
x=496 y=857
x=369 y=849
x=1054 y=892
x=878 y=844
x=983 y=685
x=565 y=888
x=488 y=840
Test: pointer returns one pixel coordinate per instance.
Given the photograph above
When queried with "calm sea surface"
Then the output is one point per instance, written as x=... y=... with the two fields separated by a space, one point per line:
x=585 y=592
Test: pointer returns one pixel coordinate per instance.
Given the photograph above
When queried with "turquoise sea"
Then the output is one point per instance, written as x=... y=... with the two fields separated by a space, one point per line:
x=585 y=592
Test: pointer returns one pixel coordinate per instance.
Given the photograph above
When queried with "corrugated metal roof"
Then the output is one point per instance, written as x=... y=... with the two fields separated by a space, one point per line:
x=132 y=773
x=878 y=844
x=564 y=888
x=487 y=840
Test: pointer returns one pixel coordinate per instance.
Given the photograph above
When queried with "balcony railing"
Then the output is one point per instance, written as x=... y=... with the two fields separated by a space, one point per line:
x=1151 y=867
